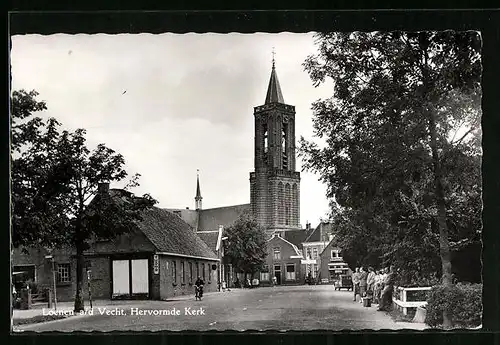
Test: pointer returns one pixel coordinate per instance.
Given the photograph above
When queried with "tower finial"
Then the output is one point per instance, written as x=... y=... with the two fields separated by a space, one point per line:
x=274 y=94
x=198 y=197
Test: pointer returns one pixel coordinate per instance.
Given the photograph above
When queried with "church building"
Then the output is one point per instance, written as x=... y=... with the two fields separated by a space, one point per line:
x=274 y=191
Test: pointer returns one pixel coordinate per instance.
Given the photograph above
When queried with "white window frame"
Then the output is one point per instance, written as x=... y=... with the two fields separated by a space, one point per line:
x=315 y=253
x=290 y=275
x=277 y=250
x=66 y=268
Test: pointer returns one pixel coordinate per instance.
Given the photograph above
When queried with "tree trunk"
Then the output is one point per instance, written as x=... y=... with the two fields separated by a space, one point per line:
x=444 y=246
x=80 y=263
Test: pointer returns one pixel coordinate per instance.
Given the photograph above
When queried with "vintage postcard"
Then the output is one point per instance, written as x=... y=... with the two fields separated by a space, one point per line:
x=285 y=181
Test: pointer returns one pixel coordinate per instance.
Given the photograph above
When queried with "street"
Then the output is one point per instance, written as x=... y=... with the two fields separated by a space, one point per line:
x=266 y=308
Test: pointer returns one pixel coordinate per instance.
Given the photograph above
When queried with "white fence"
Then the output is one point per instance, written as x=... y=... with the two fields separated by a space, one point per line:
x=400 y=298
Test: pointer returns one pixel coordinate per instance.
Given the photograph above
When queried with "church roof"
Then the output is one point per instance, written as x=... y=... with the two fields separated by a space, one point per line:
x=210 y=238
x=211 y=218
x=274 y=94
x=187 y=215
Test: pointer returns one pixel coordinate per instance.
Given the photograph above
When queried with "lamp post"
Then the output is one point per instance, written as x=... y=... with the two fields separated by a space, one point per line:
x=221 y=265
x=51 y=258
x=88 y=267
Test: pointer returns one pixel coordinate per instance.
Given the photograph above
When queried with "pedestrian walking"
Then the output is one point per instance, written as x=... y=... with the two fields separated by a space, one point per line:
x=275 y=281
x=363 y=275
x=355 y=283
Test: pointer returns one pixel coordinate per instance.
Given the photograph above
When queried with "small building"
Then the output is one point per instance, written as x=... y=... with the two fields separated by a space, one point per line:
x=283 y=261
x=159 y=259
x=332 y=264
x=312 y=247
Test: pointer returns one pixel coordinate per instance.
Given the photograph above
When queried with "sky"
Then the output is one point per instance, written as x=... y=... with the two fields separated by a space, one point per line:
x=175 y=103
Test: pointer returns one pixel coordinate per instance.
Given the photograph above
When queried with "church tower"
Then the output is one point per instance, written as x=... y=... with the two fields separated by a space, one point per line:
x=275 y=185
x=198 y=198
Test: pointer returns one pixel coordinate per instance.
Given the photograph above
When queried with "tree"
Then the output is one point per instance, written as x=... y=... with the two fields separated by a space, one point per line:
x=54 y=180
x=37 y=214
x=246 y=245
x=403 y=119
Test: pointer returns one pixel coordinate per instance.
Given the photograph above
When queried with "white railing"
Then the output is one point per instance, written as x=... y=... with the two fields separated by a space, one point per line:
x=402 y=304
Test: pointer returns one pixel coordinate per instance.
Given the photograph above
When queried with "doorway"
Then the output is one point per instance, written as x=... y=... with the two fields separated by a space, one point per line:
x=130 y=278
x=277 y=274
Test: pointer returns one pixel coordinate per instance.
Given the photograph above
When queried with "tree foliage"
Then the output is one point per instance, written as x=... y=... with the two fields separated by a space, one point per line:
x=246 y=245
x=55 y=177
x=402 y=152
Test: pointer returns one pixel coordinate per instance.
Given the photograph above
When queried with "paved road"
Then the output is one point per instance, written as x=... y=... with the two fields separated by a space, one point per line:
x=267 y=308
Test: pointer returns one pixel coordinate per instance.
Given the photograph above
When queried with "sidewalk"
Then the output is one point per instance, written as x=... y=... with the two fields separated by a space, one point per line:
x=417 y=326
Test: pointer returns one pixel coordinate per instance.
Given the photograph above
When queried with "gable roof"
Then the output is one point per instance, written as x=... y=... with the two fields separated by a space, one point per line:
x=211 y=218
x=287 y=242
x=170 y=234
x=314 y=236
x=320 y=233
x=296 y=237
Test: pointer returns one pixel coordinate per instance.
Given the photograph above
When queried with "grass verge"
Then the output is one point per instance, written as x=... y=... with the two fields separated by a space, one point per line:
x=398 y=316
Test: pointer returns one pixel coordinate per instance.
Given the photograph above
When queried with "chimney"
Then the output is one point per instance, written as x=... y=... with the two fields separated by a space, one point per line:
x=103 y=187
x=308 y=226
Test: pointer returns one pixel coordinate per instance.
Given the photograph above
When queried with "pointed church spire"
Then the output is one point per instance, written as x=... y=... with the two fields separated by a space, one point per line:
x=198 y=197
x=274 y=94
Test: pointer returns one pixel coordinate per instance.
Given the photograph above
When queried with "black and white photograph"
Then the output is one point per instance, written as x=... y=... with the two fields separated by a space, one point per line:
x=264 y=181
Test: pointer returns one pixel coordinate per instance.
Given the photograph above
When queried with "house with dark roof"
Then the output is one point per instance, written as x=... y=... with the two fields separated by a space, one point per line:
x=331 y=263
x=283 y=263
x=315 y=242
x=159 y=259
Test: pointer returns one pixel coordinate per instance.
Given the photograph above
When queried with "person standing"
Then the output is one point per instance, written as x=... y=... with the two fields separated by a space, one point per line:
x=386 y=298
x=378 y=287
x=370 y=281
x=355 y=283
x=363 y=275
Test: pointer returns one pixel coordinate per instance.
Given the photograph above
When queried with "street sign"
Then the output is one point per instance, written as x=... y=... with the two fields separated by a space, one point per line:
x=156 y=264
x=308 y=262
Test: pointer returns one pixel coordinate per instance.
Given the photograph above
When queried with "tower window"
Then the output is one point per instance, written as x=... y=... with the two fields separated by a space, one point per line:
x=266 y=139
x=284 y=143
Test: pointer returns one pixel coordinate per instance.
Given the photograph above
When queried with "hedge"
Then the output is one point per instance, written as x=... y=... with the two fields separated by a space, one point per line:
x=463 y=301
